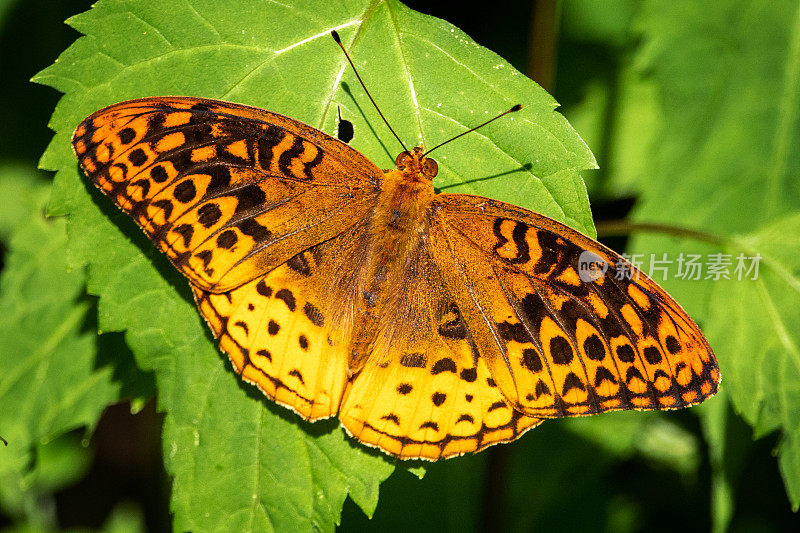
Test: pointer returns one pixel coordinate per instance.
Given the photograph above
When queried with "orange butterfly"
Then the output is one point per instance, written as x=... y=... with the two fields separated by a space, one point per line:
x=431 y=324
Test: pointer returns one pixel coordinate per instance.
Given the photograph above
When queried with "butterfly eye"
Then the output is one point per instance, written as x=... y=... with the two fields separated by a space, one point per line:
x=430 y=168
x=403 y=159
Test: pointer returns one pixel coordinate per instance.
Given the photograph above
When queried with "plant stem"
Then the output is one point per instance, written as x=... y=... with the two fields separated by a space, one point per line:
x=625 y=227
x=542 y=42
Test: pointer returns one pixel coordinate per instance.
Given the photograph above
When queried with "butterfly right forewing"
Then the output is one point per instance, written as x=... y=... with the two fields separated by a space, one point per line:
x=227 y=191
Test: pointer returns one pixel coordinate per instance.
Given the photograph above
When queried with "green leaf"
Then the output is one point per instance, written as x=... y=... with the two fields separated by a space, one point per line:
x=651 y=435
x=728 y=447
x=729 y=87
x=239 y=462
x=124 y=519
x=598 y=21
x=49 y=384
x=755 y=326
x=5 y=7
x=450 y=498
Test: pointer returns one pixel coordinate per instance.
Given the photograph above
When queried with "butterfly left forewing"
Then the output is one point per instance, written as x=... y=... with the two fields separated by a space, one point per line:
x=557 y=344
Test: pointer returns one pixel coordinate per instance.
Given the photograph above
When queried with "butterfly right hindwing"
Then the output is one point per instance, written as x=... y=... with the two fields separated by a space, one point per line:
x=425 y=390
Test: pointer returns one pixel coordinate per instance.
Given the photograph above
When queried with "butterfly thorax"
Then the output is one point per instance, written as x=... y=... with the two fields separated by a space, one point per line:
x=397 y=231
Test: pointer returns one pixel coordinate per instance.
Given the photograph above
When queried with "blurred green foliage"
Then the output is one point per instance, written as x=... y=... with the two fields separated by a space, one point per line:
x=691 y=112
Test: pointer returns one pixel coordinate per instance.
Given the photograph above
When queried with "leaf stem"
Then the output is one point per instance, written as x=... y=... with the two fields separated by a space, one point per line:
x=626 y=227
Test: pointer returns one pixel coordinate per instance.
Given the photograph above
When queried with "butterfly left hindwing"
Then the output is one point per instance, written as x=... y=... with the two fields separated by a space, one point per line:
x=286 y=331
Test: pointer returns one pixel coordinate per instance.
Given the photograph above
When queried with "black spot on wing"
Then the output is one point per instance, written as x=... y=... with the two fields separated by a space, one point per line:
x=572 y=381
x=252 y=228
x=249 y=197
x=531 y=360
x=208 y=215
x=227 y=239
x=496 y=405
x=673 y=345
x=560 y=350
x=414 y=360
x=137 y=157
x=185 y=191
x=625 y=353
x=594 y=348
x=263 y=289
x=391 y=417
x=430 y=424
x=287 y=297
x=443 y=365
x=158 y=174
x=314 y=314
x=455 y=328
x=299 y=264
x=604 y=374
x=127 y=135
x=652 y=355
x=469 y=374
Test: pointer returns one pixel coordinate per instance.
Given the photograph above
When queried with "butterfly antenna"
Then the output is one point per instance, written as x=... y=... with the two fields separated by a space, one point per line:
x=339 y=42
x=504 y=113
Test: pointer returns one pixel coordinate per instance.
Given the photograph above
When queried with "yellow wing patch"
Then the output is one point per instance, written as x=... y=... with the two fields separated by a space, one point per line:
x=276 y=331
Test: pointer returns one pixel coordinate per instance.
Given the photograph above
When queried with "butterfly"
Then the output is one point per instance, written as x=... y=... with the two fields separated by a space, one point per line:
x=431 y=324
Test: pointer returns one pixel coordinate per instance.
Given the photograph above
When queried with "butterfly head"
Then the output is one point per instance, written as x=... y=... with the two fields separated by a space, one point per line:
x=415 y=166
